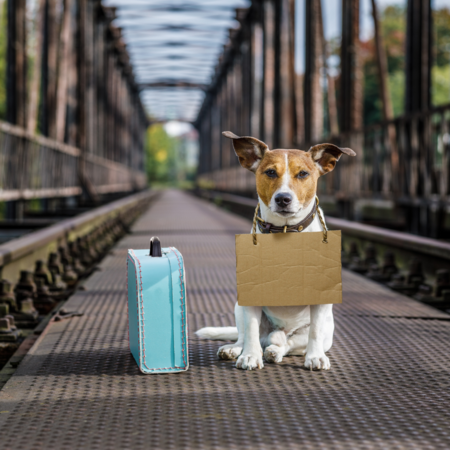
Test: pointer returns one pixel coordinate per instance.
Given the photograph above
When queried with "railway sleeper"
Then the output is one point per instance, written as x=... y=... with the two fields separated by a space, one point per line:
x=411 y=282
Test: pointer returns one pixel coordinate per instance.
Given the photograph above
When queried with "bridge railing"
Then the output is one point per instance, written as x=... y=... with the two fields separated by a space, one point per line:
x=416 y=168
x=78 y=125
x=33 y=166
x=406 y=160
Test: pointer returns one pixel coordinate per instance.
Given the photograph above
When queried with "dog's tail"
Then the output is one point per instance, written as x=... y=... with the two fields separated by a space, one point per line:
x=218 y=333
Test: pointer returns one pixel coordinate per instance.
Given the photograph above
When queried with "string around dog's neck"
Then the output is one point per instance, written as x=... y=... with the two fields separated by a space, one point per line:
x=267 y=227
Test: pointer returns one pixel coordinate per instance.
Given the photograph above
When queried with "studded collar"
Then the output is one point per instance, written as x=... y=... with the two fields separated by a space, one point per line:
x=266 y=227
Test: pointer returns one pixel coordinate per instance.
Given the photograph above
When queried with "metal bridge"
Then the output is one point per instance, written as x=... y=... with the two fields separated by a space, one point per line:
x=256 y=91
x=73 y=139
x=78 y=126
x=79 y=386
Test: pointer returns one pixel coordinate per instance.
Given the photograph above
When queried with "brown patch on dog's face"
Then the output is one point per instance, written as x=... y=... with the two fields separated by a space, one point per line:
x=299 y=176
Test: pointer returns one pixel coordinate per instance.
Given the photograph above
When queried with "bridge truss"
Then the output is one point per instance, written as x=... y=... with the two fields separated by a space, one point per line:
x=78 y=125
x=403 y=161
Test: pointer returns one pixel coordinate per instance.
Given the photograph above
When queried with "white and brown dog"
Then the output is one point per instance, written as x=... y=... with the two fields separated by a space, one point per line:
x=286 y=182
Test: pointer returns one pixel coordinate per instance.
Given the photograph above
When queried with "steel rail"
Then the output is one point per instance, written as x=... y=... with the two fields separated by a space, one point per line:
x=22 y=253
x=406 y=241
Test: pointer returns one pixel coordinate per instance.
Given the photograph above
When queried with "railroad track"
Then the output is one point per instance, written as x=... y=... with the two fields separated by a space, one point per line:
x=40 y=270
x=412 y=265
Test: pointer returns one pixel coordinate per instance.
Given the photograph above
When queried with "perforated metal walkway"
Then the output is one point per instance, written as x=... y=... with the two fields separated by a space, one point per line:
x=79 y=388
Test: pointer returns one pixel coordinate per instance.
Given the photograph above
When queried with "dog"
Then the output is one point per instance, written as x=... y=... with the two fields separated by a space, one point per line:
x=286 y=183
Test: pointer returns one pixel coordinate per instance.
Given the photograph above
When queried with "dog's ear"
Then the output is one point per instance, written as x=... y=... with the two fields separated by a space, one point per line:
x=325 y=156
x=249 y=150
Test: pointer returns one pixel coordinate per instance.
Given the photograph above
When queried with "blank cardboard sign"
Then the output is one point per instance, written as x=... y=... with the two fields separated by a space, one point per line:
x=286 y=269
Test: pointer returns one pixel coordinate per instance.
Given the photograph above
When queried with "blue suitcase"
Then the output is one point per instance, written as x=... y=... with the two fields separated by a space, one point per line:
x=157 y=316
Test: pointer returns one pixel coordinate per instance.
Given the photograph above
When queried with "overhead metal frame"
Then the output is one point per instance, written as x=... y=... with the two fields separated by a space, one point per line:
x=174 y=48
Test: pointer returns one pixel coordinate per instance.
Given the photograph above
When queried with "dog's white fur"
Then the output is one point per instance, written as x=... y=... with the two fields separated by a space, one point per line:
x=278 y=331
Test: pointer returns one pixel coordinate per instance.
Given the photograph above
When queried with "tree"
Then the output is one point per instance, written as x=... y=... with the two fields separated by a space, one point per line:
x=393 y=32
x=441 y=37
x=161 y=161
x=440 y=73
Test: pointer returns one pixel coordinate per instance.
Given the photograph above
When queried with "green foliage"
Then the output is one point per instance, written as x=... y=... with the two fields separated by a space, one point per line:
x=3 y=47
x=441 y=37
x=397 y=91
x=440 y=88
x=170 y=160
x=393 y=31
x=440 y=72
x=161 y=156
x=372 y=99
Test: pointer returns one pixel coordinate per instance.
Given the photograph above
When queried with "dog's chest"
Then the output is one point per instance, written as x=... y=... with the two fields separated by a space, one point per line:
x=287 y=318
x=290 y=318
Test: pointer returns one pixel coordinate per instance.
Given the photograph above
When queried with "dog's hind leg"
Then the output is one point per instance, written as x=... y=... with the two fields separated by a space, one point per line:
x=298 y=342
x=279 y=345
x=232 y=351
x=276 y=346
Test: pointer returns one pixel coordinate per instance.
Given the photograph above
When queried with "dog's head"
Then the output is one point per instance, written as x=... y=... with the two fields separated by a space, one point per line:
x=286 y=180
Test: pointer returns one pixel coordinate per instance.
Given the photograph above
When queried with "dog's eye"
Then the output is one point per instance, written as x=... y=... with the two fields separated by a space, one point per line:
x=271 y=173
x=302 y=174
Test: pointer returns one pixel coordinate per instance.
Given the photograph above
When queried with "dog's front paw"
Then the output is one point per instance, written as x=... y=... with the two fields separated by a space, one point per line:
x=273 y=354
x=317 y=362
x=229 y=351
x=250 y=361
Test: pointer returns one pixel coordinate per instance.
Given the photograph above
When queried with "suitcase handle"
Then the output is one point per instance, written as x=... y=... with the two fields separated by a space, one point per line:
x=155 y=247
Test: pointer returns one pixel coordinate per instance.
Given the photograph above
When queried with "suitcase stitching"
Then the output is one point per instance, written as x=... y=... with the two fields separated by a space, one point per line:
x=142 y=309
x=182 y=306
x=137 y=300
x=128 y=312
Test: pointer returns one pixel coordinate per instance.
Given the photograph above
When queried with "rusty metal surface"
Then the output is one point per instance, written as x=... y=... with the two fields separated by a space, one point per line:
x=79 y=388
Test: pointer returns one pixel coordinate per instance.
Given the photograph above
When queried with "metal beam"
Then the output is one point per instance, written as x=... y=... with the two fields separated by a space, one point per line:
x=16 y=62
x=286 y=75
x=351 y=75
x=269 y=72
x=418 y=56
x=313 y=96
x=173 y=84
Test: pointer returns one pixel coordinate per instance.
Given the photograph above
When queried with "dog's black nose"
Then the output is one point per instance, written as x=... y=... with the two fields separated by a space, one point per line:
x=283 y=199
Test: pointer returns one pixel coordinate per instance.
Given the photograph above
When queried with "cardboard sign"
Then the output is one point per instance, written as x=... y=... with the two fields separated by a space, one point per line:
x=286 y=269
